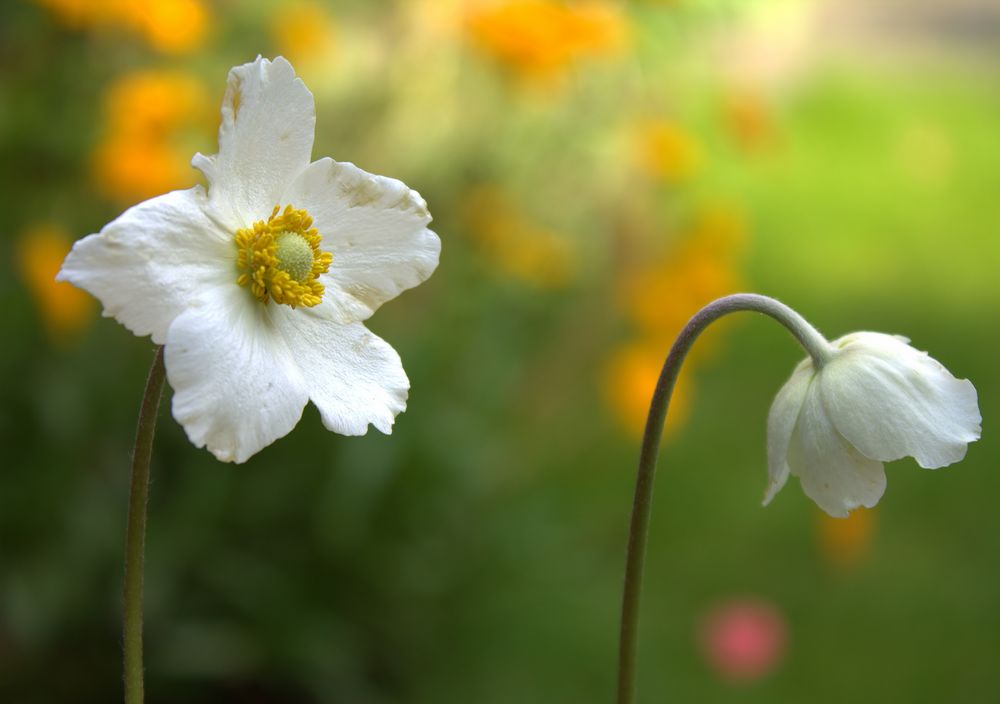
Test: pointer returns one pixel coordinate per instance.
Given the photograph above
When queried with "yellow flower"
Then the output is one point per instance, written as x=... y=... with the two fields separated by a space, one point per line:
x=544 y=37
x=80 y=14
x=748 y=119
x=630 y=378
x=665 y=151
x=170 y=26
x=661 y=298
x=64 y=310
x=845 y=542
x=135 y=169
x=155 y=102
x=143 y=151
x=303 y=32
x=517 y=246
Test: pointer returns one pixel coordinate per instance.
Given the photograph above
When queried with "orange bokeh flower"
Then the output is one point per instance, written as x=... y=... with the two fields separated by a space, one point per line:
x=630 y=379
x=131 y=170
x=845 y=542
x=544 y=37
x=514 y=244
x=64 y=309
x=665 y=151
x=154 y=103
x=169 y=26
x=143 y=153
x=749 y=119
x=659 y=300
x=303 y=32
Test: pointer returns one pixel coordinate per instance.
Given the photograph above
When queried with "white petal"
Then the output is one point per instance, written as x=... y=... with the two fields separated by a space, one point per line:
x=236 y=388
x=890 y=400
x=375 y=228
x=781 y=422
x=154 y=261
x=265 y=140
x=354 y=377
x=833 y=473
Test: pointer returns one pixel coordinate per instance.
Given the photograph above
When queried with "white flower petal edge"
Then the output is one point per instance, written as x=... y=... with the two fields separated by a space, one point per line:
x=153 y=262
x=780 y=424
x=355 y=378
x=376 y=229
x=890 y=401
x=832 y=472
x=236 y=386
x=265 y=140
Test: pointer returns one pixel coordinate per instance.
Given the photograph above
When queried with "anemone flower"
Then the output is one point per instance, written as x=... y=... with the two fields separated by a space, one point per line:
x=874 y=399
x=257 y=285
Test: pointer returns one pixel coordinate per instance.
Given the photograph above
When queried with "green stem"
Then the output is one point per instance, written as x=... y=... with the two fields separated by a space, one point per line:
x=817 y=347
x=135 y=538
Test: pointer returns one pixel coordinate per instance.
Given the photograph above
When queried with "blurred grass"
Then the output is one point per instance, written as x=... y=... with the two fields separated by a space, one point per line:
x=883 y=188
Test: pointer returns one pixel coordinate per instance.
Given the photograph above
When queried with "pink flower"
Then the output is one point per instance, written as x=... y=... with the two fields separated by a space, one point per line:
x=743 y=639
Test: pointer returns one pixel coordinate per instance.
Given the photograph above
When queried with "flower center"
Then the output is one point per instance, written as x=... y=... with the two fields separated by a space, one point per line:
x=280 y=259
x=294 y=255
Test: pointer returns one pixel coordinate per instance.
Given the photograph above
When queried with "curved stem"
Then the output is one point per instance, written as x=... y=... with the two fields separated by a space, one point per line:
x=810 y=339
x=135 y=538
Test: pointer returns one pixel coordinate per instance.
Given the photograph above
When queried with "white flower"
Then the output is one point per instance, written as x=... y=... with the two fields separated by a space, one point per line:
x=876 y=399
x=257 y=285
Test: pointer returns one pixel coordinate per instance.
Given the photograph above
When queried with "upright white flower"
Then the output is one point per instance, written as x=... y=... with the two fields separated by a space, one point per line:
x=875 y=399
x=258 y=285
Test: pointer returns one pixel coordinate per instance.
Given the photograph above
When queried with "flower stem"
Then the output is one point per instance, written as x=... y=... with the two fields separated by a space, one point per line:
x=810 y=339
x=135 y=538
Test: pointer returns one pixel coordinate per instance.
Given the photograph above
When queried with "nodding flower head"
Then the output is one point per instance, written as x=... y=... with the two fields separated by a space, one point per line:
x=875 y=399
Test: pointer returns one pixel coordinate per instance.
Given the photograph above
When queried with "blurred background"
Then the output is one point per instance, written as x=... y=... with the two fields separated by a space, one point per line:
x=597 y=171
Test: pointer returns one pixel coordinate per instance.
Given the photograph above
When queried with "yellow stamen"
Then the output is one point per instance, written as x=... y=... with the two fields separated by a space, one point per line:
x=280 y=259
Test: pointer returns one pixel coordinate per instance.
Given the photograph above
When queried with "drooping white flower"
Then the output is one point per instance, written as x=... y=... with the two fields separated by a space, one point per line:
x=875 y=399
x=257 y=285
